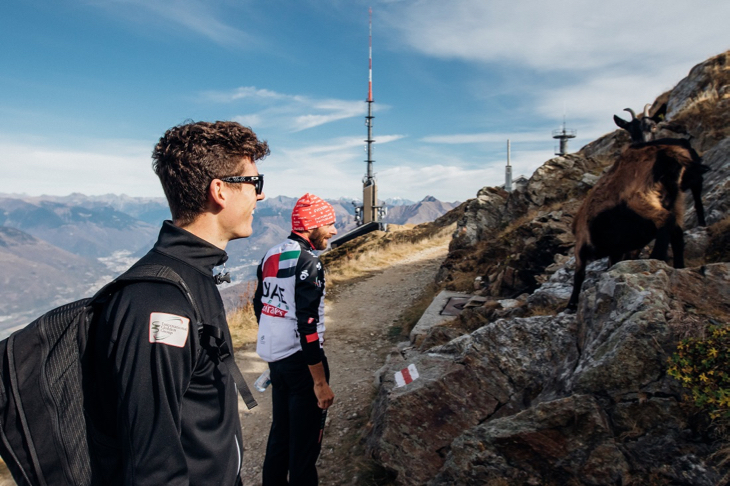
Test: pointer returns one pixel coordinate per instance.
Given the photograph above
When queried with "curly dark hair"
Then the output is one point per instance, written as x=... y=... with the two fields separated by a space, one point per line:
x=189 y=156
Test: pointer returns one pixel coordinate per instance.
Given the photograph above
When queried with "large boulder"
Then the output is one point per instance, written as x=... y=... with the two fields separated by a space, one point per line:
x=561 y=178
x=482 y=216
x=553 y=443
x=497 y=370
x=552 y=399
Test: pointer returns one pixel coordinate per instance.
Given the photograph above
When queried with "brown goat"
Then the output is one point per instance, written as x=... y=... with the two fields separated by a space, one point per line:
x=637 y=200
x=644 y=129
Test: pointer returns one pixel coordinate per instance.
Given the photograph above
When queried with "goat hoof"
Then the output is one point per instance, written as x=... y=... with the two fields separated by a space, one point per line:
x=571 y=309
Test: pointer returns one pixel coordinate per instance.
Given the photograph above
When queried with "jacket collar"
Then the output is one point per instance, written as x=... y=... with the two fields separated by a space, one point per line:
x=185 y=246
x=306 y=244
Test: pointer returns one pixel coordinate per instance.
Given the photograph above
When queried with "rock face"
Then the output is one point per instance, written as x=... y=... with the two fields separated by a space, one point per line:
x=551 y=399
x=505 y=239
x=716 y=185
x=507 y=395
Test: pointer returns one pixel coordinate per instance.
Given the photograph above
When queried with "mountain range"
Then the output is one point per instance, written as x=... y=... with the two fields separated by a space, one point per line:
x=56 y=249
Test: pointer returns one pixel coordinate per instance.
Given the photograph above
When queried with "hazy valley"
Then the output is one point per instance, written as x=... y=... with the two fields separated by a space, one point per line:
x=58 y=249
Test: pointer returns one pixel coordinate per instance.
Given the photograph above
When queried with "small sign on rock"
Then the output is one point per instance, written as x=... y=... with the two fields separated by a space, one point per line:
x=406 y=376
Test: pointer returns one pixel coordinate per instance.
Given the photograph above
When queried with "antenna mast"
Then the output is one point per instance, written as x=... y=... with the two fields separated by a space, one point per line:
x=368 y=217
x=371 y=212
x=508 y=170
x=369 y=117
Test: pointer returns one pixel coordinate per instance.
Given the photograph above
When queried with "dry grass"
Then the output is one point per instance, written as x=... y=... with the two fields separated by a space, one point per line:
x=5 y=476
x=545 y=310
x=242 y=321
x=718 y=249
x=722 y=456
x=506 y=234
x=379 y=252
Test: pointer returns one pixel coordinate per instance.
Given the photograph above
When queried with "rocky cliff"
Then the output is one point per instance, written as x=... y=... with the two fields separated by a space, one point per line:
x=514 y=391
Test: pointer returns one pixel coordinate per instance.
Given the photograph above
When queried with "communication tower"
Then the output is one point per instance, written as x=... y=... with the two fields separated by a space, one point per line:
x=508 y=171
x=564 y=134
x=369 y=216
x=370 y=211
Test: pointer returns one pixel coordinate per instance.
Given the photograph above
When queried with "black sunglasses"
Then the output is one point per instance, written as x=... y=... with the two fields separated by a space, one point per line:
x=257 y=181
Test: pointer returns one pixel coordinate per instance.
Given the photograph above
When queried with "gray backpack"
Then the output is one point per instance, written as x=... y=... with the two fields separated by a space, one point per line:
x=42 y=426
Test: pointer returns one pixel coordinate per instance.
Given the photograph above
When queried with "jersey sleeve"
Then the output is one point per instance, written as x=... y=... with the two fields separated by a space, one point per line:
x=258 y=293
x=309 y=293
x=153 y=358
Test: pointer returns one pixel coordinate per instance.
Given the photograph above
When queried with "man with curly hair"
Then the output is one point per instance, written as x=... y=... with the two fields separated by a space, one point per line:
x=163 y=405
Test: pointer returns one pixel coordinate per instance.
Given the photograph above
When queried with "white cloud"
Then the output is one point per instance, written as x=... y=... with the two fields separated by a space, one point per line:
x=592 y=59
x=253 y=120
x=192 y=15
x=103 y=167
x=331 y=169
x=594 y=101
x=329 y=174
x=248 y=92
x=486 y=137
x=340 y=145
x=567 y=34
x=444 y=182
x=292 y=113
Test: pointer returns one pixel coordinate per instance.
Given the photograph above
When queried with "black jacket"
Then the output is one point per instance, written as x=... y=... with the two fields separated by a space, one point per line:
x=164 y=409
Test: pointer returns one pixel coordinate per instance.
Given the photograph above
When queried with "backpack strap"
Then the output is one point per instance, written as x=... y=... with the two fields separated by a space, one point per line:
x=163 y=273
x=227 y=357
x=13 y=377
x=150 y=273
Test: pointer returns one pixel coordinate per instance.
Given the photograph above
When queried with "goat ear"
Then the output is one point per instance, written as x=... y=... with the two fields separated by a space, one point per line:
x=620 y=122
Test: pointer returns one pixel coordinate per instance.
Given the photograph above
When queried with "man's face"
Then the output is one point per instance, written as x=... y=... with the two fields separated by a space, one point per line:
x=244 y=202
x=319 y=236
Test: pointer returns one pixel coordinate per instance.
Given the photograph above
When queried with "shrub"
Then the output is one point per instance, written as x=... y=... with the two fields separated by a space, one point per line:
x=702 y=366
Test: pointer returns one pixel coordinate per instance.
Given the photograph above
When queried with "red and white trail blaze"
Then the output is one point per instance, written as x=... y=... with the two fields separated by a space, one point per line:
x=406 y=376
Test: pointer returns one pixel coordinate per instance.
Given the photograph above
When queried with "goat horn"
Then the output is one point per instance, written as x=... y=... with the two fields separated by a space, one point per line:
x=646 y=109
x=633 y=115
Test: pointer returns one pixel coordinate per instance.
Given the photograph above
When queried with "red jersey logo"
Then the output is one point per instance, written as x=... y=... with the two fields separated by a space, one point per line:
x=272 y=311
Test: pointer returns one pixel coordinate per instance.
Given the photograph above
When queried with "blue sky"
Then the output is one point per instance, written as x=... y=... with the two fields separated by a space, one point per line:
x=87 y=87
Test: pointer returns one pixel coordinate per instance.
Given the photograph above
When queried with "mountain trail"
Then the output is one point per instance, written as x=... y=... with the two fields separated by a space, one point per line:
x=357 y=340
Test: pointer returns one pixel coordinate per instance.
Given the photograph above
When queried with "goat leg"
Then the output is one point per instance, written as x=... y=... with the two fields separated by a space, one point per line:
x=677 y=238
x=580 y=274
x=661 y=244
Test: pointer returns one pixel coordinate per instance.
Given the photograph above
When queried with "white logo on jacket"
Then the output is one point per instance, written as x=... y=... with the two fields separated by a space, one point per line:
x=168 y=329
x=303 y=275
